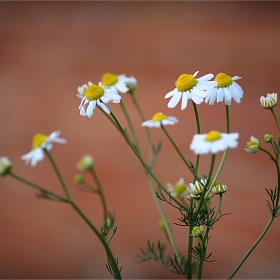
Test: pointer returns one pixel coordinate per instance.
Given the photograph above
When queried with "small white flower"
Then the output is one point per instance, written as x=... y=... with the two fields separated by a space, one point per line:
x=93 y=95
x=179 y=189
x=158 y=119
x=269 y=101
x=213 y=142
x=219 y=189
x=85 y=163
x=188 y=87
x=120 y=83
x=5 y=166
x=226 y=90
x=41 y=142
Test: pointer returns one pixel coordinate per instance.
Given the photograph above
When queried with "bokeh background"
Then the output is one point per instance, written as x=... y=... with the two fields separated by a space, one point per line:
x=48 y=49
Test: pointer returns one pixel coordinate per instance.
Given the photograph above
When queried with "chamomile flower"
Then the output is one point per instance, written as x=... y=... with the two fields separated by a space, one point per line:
x=253 y=145
x=179 y=189
x=5 y=166
x=213 y=142
x=158 y=119
x=93 y=95
x=190 y=87
x=226 y=90
x=196 y=188
x=269 y=101
x=41 y=142
x=120 y=83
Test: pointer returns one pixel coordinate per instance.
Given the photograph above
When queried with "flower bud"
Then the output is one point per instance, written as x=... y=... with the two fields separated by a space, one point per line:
x=197 y=231
x=219 y=189
x=253 y=145
x=5 y=166
x=196 y=189
x=267 y=138
x=78 y=179
x=85 y=163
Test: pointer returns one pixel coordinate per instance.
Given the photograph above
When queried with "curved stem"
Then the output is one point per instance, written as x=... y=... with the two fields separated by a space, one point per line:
x=179 y=152
x=109 y=253
x=150 y=143
x=136 y=152
x=129 y=124
x=275 y=118
x=57 y=171
x=253 y=247
x=35 y=186
x=100 y=192
x=198 y=132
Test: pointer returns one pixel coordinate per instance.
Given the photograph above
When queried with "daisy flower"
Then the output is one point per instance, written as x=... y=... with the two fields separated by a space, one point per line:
x=190 y=87
x=179 y=189
x=93 y=95
x=219 y=189
x=5 y=166
x=226 y=89
x=120 y=83
x=41 y=142
x=213 y=142
x=158 y=119
x=269 y=101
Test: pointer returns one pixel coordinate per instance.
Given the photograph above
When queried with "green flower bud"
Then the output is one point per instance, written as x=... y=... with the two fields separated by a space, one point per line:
x=78 y=179
x=267 y=138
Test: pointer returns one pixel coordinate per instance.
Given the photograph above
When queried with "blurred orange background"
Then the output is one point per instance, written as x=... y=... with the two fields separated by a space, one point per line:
x=48 y=49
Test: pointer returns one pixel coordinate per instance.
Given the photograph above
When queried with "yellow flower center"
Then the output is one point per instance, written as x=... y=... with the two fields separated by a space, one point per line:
x=158 y=117
x=185 y=82
x=94 y=92
x=223 y=80
x=179 y=189
x=109 y=79
x=38 y=140
x=212 y=136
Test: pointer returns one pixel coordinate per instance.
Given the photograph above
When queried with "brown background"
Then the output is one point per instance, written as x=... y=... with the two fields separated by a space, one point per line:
x=48 y=49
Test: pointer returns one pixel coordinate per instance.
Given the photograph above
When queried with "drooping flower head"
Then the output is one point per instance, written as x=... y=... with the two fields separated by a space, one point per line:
x=188 y=87
x=41 y=142
x=213 y=142
x=5 y=166
x=269 y=101
x=158 y=119
x=253 y=145
x=120 y=83
x=197 y=231
x=226 y=90
x=93 y=95
x=179 y=189
x=196 y=188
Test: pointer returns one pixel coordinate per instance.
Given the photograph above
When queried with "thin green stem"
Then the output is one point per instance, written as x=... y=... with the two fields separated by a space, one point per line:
x=253 y=247
x=190 y=244
x=100 y=191
x=150 y=143
x=136 y=152
x=199 y=273
x=198 y=132
x=109 y=253
x=275 y=118
x=179 y=152
x=131 y=128
x=35 y=186
x=57 y=171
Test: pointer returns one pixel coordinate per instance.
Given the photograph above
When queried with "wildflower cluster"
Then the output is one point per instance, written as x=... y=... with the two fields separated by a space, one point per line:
x=197 y=196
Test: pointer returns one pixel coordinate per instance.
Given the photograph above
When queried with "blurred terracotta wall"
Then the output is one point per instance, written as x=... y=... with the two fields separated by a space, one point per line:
x=48 y=49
